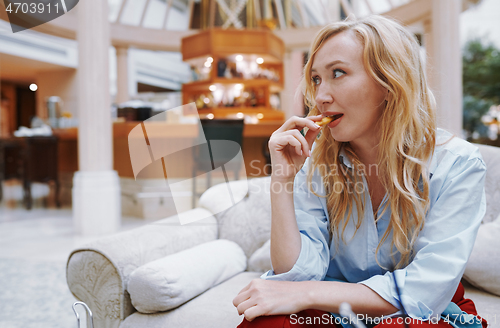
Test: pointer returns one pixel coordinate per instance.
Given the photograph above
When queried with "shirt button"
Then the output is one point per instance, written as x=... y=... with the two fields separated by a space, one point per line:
x=374 y=250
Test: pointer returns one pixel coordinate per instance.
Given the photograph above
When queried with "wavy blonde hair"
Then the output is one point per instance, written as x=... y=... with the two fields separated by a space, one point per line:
x=391 y=56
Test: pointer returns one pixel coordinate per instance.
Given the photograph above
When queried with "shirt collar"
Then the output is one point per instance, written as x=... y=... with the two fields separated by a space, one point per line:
x=344 y=158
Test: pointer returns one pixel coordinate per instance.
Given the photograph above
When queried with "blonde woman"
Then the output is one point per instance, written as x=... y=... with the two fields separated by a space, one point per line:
x=376 y=207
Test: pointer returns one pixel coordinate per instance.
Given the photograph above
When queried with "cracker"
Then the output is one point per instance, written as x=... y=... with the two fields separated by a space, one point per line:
x=324 y=121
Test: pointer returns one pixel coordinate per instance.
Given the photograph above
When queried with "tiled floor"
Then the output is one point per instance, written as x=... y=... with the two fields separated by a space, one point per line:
x=48 y=234
x=43 y=234
x=34 y=248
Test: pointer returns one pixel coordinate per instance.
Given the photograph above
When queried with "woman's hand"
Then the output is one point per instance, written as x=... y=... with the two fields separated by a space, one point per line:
x=289 y=148
x=266 y=297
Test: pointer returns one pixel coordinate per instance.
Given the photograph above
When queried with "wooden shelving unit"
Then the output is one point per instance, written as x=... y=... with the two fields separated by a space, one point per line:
x=225 y=57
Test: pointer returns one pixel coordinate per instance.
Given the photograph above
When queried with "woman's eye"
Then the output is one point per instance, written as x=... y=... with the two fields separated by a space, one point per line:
x=338 y=73
x=316 y=80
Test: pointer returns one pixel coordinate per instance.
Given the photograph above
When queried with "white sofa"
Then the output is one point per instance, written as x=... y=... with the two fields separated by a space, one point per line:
x=101 y=273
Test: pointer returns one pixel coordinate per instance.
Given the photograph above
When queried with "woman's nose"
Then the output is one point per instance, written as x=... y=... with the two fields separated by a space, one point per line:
x=323 y=95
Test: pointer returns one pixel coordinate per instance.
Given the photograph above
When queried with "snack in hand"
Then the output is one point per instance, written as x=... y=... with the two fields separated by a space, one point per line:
x=325 y=121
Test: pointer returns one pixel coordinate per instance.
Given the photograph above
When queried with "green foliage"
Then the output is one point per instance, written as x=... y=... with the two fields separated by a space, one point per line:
x=481 y=83
x=474 y=109
x=481 y=71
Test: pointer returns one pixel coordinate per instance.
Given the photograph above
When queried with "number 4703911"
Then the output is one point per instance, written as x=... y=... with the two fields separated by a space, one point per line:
x=31 y=8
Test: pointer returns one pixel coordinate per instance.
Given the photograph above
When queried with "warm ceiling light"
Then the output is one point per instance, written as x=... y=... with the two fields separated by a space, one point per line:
x=239 y=58
x=238 y=86
x=210 y=60
x=33 y=87
x=260 y=116
x=240 y=115
x=206 y=100
x=212 y=88
x=210 y=116
x=208 y=64
x=260 y=60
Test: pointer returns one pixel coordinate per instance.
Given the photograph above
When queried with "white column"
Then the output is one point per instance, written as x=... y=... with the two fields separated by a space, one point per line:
x=292 y=102
x=96 y=189
x=132 y=74
x=445 y=62
x=122 y=94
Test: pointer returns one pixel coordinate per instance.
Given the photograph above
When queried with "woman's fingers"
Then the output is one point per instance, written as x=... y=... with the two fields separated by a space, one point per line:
x=311 y=136
x=245 y=305
x=241 y=297
x=289 y=148
x=292 y=127
x=316 y=118
x=281 y=141
x=265 y=297
x=303 y=141
x=253 y=312
x=250 y=309
x=299 y=123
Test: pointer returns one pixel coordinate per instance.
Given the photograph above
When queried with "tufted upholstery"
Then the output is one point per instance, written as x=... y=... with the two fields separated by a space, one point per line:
x=483 y=268
x=491 y=156
x=249 y=222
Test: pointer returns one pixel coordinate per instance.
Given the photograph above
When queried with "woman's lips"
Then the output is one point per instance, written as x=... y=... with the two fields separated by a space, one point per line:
x=336 y=120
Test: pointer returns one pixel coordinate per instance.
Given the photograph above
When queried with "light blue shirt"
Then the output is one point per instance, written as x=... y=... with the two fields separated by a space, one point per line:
x=442 y=249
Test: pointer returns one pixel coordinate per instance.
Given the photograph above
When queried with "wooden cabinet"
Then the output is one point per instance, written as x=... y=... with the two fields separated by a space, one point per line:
x=30 y=159
x=236 y=73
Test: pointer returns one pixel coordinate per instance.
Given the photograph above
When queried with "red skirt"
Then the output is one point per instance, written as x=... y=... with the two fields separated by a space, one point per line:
x=321 y=319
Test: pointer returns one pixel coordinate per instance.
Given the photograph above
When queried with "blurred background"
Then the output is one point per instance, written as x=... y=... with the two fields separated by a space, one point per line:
x=73 y=89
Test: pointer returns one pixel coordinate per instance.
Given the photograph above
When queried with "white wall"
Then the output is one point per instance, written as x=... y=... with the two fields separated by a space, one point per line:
x=481 y=20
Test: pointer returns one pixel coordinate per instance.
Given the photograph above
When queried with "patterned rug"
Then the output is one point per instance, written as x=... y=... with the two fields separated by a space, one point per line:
x=35 y=294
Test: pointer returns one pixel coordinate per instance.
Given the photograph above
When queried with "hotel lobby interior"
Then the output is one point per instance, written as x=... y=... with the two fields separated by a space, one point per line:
x=105 y=111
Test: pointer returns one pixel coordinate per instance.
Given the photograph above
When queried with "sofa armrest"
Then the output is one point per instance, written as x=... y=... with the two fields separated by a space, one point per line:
x=98 y=272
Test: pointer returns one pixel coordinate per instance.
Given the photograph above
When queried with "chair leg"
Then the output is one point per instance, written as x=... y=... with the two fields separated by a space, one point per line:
x=58 y=202
x=28 y=201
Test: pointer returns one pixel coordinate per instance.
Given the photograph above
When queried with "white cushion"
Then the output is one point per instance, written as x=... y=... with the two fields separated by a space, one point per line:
x=166 y=283
x=260 y=260
x=212 y=309
x=212 y=200
x=248 y=223
x=483 y=268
